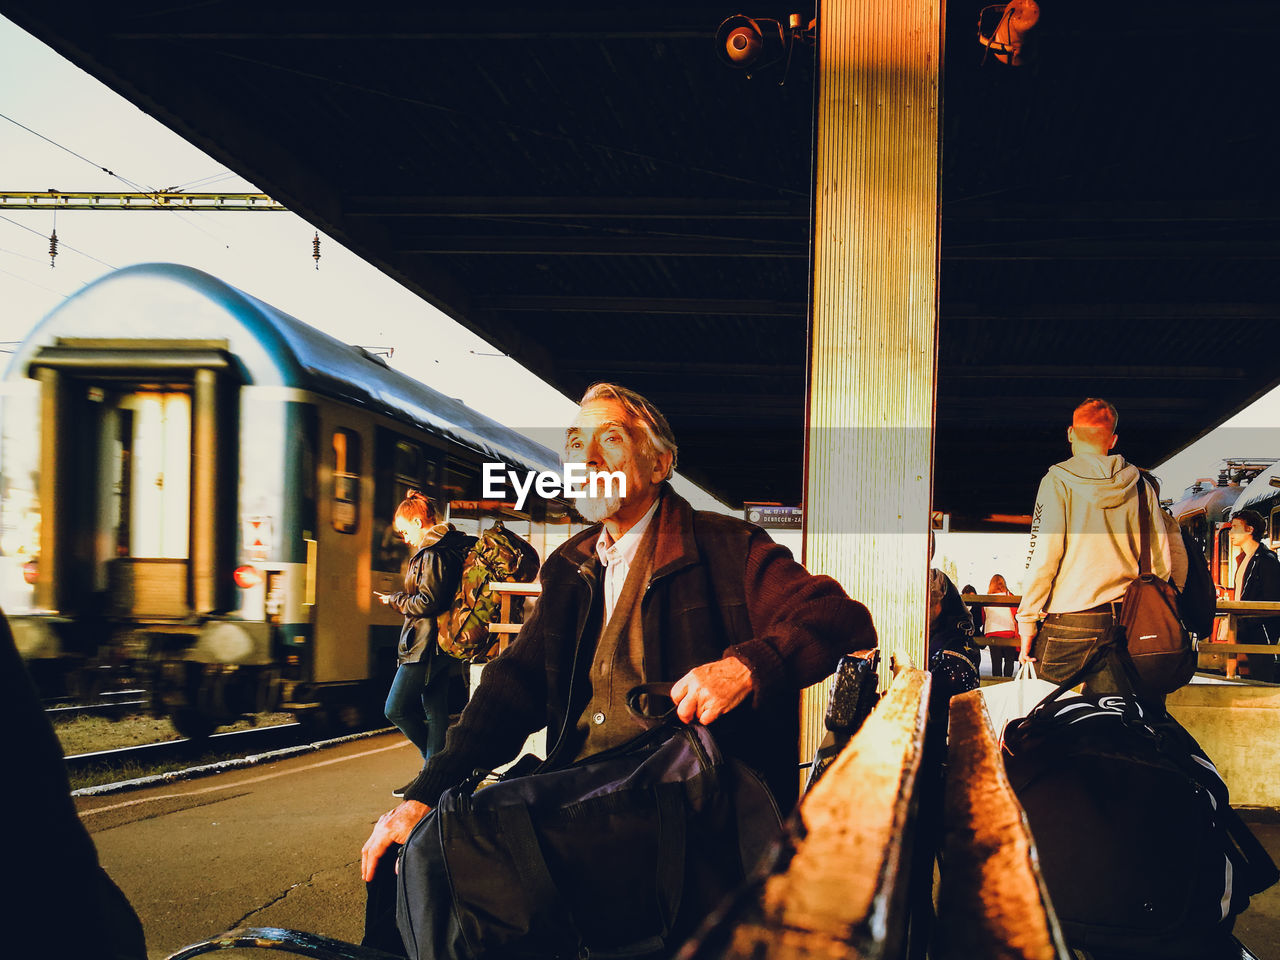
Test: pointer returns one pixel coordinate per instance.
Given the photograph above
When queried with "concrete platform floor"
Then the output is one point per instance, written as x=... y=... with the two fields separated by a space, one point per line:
x=1258 y=928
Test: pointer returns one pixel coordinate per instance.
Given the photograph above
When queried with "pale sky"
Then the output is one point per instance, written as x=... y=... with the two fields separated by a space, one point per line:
x=269 y=254
x=265 y=254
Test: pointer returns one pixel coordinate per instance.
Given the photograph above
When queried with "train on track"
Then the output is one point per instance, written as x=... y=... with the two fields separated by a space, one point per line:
x=202 y=487
x=1205 y=509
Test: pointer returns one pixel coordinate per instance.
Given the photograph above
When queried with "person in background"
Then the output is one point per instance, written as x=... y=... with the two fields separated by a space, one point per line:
x=418 y=702
x=1083 y=551
x=953 y=654
x=1000 y=625
x=1257 y=577
x=975 y=609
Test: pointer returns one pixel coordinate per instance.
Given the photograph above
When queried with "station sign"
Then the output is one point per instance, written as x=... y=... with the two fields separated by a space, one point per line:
x=774 y=516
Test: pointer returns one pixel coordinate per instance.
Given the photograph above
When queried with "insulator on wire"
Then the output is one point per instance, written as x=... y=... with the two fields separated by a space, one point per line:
x=53 y=247
x=315 y=249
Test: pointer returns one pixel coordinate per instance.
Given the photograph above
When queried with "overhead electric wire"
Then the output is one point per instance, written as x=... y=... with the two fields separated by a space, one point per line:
x=125 y=180
x=55 y=143
x=61 y=244
x=212 y=178
x=16 y=276
x=23 y=256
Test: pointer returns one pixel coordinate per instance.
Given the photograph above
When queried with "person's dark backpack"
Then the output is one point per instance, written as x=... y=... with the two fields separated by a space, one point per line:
x=1156 y=640
x=498 y=555
x=1139 y=847
x=1198 y=601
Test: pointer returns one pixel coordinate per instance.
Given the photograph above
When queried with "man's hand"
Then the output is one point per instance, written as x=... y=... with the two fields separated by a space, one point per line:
x=392 y=827
x=1026 y=634
x=706 y=692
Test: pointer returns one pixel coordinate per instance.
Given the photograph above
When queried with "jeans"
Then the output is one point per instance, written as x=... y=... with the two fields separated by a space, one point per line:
x=418 y=703
x=1066 y=641
x=1003 y=659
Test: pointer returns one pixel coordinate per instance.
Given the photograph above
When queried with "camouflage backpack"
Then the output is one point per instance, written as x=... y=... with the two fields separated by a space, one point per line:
x=498 y=555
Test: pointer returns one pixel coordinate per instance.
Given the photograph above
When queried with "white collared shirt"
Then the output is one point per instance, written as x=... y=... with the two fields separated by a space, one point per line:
x=617 y=557
x=1246 y=555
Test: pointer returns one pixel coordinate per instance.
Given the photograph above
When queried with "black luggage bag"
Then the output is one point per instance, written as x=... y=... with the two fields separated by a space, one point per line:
x=1140 y=849
x=619 y=855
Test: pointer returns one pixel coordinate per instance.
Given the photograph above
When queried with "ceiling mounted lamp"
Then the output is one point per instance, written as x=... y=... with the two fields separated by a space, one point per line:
x=1003 y=29
x=754 y=43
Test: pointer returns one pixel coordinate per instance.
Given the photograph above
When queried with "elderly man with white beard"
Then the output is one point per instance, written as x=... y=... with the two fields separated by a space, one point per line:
x=654 y=592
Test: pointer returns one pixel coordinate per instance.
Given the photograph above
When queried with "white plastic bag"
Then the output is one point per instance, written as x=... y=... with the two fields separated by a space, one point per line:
x=1017 y=698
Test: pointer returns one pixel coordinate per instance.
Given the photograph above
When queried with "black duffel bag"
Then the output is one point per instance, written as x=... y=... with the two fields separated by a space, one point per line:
x=1140 y=849
x=621 y=854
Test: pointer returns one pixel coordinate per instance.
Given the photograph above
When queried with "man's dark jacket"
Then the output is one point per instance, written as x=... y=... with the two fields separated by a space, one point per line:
x=430 y=583
x=720 y=586
x=1261 y=582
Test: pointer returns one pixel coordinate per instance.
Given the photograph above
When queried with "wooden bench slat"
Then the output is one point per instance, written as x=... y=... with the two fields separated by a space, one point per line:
x=844 y=890
x=992 y=900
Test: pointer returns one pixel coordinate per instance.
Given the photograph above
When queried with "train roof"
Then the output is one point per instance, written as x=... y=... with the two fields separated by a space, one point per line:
x=1261 y=494
x=272 y=347
x=1213 y=501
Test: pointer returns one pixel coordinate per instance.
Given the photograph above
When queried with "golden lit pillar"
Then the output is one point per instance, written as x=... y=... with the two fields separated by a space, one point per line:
x=875 y=312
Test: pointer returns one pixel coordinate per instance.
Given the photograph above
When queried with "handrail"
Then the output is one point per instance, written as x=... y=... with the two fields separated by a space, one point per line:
x=503 y=629
x=517 y=589
x=1247 y=608
x=1241 y=608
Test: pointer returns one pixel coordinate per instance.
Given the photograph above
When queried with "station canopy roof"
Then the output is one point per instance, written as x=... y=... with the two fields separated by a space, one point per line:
x=591 y=190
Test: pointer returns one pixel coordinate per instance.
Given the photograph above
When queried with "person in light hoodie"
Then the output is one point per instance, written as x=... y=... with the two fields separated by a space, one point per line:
x=1084 y=548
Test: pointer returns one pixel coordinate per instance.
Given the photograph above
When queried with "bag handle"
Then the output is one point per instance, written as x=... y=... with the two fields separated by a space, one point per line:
x=650 y=690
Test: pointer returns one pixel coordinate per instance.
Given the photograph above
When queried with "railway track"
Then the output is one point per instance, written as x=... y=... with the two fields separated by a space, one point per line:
x=116 y=704
x=220 y=748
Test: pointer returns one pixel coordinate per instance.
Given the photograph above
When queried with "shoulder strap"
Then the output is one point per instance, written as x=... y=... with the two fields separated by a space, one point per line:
x=1144 y=528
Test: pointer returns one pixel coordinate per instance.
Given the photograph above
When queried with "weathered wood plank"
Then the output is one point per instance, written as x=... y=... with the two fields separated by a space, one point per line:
x=993 y=904
x=843 y=892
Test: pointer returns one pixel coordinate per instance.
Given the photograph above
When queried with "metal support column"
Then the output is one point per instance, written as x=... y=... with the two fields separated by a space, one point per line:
x=875 y=311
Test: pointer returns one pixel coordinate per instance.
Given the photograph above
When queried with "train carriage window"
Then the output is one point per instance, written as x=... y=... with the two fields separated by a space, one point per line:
x=1198 y=527
x=400 y=465
x=1271 y=527
x=345 y=508
x=462 y=484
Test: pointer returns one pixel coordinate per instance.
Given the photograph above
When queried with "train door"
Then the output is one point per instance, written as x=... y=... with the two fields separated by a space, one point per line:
x=343 y=587
x=135 y=492
x=144 y=502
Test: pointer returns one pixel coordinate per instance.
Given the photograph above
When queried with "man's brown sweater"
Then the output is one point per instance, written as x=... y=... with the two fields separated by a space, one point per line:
x=720 y=587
